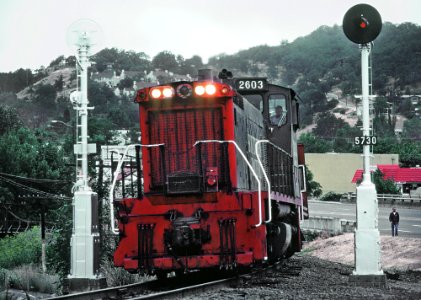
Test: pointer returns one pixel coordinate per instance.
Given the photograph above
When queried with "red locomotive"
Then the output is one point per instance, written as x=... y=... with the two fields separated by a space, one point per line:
x=218 y=179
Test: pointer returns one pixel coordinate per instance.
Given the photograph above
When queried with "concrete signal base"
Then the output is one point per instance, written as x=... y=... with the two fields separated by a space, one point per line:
x=368 y=271
x=74 y=285
x=376 y=281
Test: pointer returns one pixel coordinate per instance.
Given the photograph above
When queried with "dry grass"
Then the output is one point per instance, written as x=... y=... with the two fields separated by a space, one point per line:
x=118 y=276
x=28 y=278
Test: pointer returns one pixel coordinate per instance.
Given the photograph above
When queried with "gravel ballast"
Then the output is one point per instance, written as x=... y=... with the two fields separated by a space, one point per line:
x=308 y=277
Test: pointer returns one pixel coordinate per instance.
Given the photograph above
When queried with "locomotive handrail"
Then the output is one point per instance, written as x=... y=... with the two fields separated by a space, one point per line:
x=117 y=172
x=259 y=189
x=266 y=177
x=264 y=172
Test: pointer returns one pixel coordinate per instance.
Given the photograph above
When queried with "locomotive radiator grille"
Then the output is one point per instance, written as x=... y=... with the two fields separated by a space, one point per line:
x=145 y=246
x=227 y=243
x=178 y=167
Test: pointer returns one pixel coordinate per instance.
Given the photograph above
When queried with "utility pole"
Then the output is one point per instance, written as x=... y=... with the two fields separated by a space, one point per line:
x=85 y=239
x=362 y=24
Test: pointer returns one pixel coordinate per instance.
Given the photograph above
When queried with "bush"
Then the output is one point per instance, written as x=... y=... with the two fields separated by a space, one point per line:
x=332 y=104
x=342 y=111
x=23 y=248
x=31 y=278
x=331 y=196
x=118 y=276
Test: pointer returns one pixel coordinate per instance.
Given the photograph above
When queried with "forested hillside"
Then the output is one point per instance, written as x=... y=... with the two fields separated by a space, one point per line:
x=323 y=67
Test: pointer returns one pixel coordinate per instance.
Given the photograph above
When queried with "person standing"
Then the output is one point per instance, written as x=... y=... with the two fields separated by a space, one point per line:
x=394 y=220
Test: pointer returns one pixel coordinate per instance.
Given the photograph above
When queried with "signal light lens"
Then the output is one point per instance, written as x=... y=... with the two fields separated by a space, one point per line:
x=167 y=92
x=199 y=90
x=210 y=89
x=156 y=93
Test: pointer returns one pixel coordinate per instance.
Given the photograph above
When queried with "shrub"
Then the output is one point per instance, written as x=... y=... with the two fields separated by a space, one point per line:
x=342 y=111
x=331 y=196
x=118 y=276
x=28 y=278
x=23 y=248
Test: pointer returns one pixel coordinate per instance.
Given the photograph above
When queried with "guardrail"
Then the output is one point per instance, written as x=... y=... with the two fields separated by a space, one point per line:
x=388 y=199
x=328 y=224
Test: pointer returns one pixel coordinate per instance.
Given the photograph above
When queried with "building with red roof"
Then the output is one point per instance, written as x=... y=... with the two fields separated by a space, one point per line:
x=406 y=178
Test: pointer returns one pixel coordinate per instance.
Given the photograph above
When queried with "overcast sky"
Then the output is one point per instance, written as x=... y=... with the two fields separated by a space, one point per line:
x=33 y=33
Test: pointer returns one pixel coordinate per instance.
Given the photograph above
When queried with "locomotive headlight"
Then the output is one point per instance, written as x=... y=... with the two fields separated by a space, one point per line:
x=156 y=93
x=199 y=90
x=168 y=92
x=210 y=89
x=184 y=90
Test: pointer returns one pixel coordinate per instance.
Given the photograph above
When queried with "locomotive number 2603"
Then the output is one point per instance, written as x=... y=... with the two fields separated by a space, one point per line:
x=259 y=84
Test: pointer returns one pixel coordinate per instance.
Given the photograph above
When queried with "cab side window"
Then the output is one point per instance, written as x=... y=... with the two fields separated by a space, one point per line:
x=277 y=110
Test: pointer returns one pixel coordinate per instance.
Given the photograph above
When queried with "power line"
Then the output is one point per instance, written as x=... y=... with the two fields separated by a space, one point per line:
x=31 y=189
x=34 y=179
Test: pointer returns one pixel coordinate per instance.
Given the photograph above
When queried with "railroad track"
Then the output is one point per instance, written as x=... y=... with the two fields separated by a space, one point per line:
x=175 y=287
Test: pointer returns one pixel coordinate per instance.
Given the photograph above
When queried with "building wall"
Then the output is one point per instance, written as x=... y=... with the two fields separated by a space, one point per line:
x=334 y=171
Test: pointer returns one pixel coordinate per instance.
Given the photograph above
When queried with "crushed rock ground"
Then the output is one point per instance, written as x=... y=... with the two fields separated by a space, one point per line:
x=397 y=253
x=322 y=271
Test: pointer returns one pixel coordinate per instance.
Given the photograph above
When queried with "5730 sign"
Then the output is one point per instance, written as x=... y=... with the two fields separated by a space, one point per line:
x=365 y=140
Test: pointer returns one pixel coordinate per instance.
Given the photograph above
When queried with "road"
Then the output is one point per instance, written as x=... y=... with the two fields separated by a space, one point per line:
x=409 y=225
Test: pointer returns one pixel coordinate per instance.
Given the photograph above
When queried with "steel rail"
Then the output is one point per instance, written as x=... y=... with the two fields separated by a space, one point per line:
x=129 y=291
x=110 y=293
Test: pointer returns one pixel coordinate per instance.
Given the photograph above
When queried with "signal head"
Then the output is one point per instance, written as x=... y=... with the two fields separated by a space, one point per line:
x=362 y=23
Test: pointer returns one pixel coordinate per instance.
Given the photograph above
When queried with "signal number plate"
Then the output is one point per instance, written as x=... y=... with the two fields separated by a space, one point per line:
x=365 y=140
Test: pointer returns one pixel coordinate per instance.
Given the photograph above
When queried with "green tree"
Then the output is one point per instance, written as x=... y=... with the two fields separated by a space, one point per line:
x=59 y=83
x=125 y=83
x=384 y=186
x=406 y=108
x=45 y=96
x=101 y=97
x=409 y=153
x=165 y=60
x=57 y=61
x=344 y=140
x=313 y=144
x=412 y=129
x=327 y=125
x=314 y=189
x=101 y=130
x=9 y=119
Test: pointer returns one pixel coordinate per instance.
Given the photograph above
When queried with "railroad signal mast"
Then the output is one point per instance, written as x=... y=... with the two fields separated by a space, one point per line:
x=85 y=239
x=362 y=24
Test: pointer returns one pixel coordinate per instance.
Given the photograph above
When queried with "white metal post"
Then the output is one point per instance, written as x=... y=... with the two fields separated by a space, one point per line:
x=367 y=236
x=85 y=238
x=83 y=111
